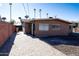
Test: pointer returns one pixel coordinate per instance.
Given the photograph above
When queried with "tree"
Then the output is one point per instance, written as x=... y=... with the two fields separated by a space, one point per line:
x=12 y=21
x=34 y=9
x=34 y=12
x=10 y=11
x=3 y=18
x=20 y=19
x=40 y=12
x=50 y=17
x=75 y=24
x=47 y=15
x=26 y=16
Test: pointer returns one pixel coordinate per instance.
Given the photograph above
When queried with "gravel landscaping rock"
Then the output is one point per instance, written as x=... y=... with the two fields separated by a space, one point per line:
x=69 y=50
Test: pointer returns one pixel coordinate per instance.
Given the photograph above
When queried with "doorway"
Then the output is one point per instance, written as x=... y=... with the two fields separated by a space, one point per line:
x=19 y=28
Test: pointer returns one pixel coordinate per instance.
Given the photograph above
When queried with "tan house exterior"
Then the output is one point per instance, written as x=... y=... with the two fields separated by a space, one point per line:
x=27 y=27
x=48 y=27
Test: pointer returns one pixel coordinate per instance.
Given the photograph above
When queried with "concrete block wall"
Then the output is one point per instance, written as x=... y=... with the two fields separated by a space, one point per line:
x=6 y=30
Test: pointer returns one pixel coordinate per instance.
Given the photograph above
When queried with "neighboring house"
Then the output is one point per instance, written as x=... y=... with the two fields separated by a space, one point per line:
x=48 y=27
x=76 y=28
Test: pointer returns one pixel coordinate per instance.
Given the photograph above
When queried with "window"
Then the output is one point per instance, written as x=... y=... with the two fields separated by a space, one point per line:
x=43 y=27
x=55 y=26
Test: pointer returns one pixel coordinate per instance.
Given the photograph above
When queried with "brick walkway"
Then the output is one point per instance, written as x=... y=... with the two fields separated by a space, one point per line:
x=26 y=45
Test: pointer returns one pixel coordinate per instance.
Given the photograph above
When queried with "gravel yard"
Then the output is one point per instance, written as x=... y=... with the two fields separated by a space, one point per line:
x=70 y=47
x=67 y=45
x=25 y=45
x=69 y=50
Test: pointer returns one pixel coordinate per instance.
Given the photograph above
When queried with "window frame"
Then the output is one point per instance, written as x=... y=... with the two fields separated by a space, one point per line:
x=56 y=26
x=43 y=27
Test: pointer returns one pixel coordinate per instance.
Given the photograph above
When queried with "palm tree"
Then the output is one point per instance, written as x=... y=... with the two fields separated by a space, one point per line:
x=40 y=12
x=50 y=17
x=10 y=11
x=20 y=19
x=3 y=18
x=26 y=16
x=55 y=16
x=12 y=21
x=47 y=15
x=34 y=12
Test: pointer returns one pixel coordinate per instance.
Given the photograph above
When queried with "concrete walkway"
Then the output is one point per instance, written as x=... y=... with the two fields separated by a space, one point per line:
x=25 y=45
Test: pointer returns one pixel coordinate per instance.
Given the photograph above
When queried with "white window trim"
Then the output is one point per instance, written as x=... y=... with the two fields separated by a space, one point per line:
x=43 y=27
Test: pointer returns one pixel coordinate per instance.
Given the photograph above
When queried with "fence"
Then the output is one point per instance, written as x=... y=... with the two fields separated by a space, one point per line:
x=6 y=30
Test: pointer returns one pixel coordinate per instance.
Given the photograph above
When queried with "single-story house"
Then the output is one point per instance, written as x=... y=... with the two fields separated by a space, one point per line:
x=48 y=27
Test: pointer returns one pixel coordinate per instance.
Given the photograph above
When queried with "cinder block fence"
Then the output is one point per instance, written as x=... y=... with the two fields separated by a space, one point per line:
x=6 y=30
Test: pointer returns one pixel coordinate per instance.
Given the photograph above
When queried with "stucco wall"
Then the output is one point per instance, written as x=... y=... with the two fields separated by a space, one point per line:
x=63 y=31
x=27 y=27
x=6 y=29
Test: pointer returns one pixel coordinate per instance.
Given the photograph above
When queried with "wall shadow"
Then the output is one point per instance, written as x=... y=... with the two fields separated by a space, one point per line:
x=6 y=47
x=72 y=39
x=65 y=40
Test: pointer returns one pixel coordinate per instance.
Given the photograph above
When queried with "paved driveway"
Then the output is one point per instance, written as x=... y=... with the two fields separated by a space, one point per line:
x=29 y=46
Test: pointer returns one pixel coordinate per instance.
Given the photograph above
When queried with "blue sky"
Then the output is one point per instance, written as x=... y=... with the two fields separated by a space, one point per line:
x=66 y=11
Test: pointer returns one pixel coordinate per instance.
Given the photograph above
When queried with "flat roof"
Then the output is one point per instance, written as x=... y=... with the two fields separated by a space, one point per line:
x=47 y=19
x=52 y=19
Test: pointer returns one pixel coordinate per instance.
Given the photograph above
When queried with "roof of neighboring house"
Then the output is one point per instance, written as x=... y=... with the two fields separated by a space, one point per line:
x=48 y=19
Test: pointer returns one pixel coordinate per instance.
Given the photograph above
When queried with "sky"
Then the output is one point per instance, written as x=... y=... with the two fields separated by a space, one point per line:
x=66 y=11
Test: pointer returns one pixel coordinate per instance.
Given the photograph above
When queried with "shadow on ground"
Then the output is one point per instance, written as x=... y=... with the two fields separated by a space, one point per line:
x=6 y=47
x=72 y=39
x=68 y=45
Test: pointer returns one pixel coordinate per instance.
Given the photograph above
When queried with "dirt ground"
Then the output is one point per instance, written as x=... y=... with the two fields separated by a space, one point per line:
x=67 y=45
x=69 y=50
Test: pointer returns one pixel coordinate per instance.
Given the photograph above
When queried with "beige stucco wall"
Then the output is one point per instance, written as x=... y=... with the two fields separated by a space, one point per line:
x=27 y=27
x=63 y=31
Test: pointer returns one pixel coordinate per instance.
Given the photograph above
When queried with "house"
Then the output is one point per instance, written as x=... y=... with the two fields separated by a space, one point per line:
x=48 y=27
x=18 y=26
x=76 y=27
x=27 y=25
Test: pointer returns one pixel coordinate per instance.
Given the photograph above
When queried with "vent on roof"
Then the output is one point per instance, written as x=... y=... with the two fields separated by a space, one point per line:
x=50 y=17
